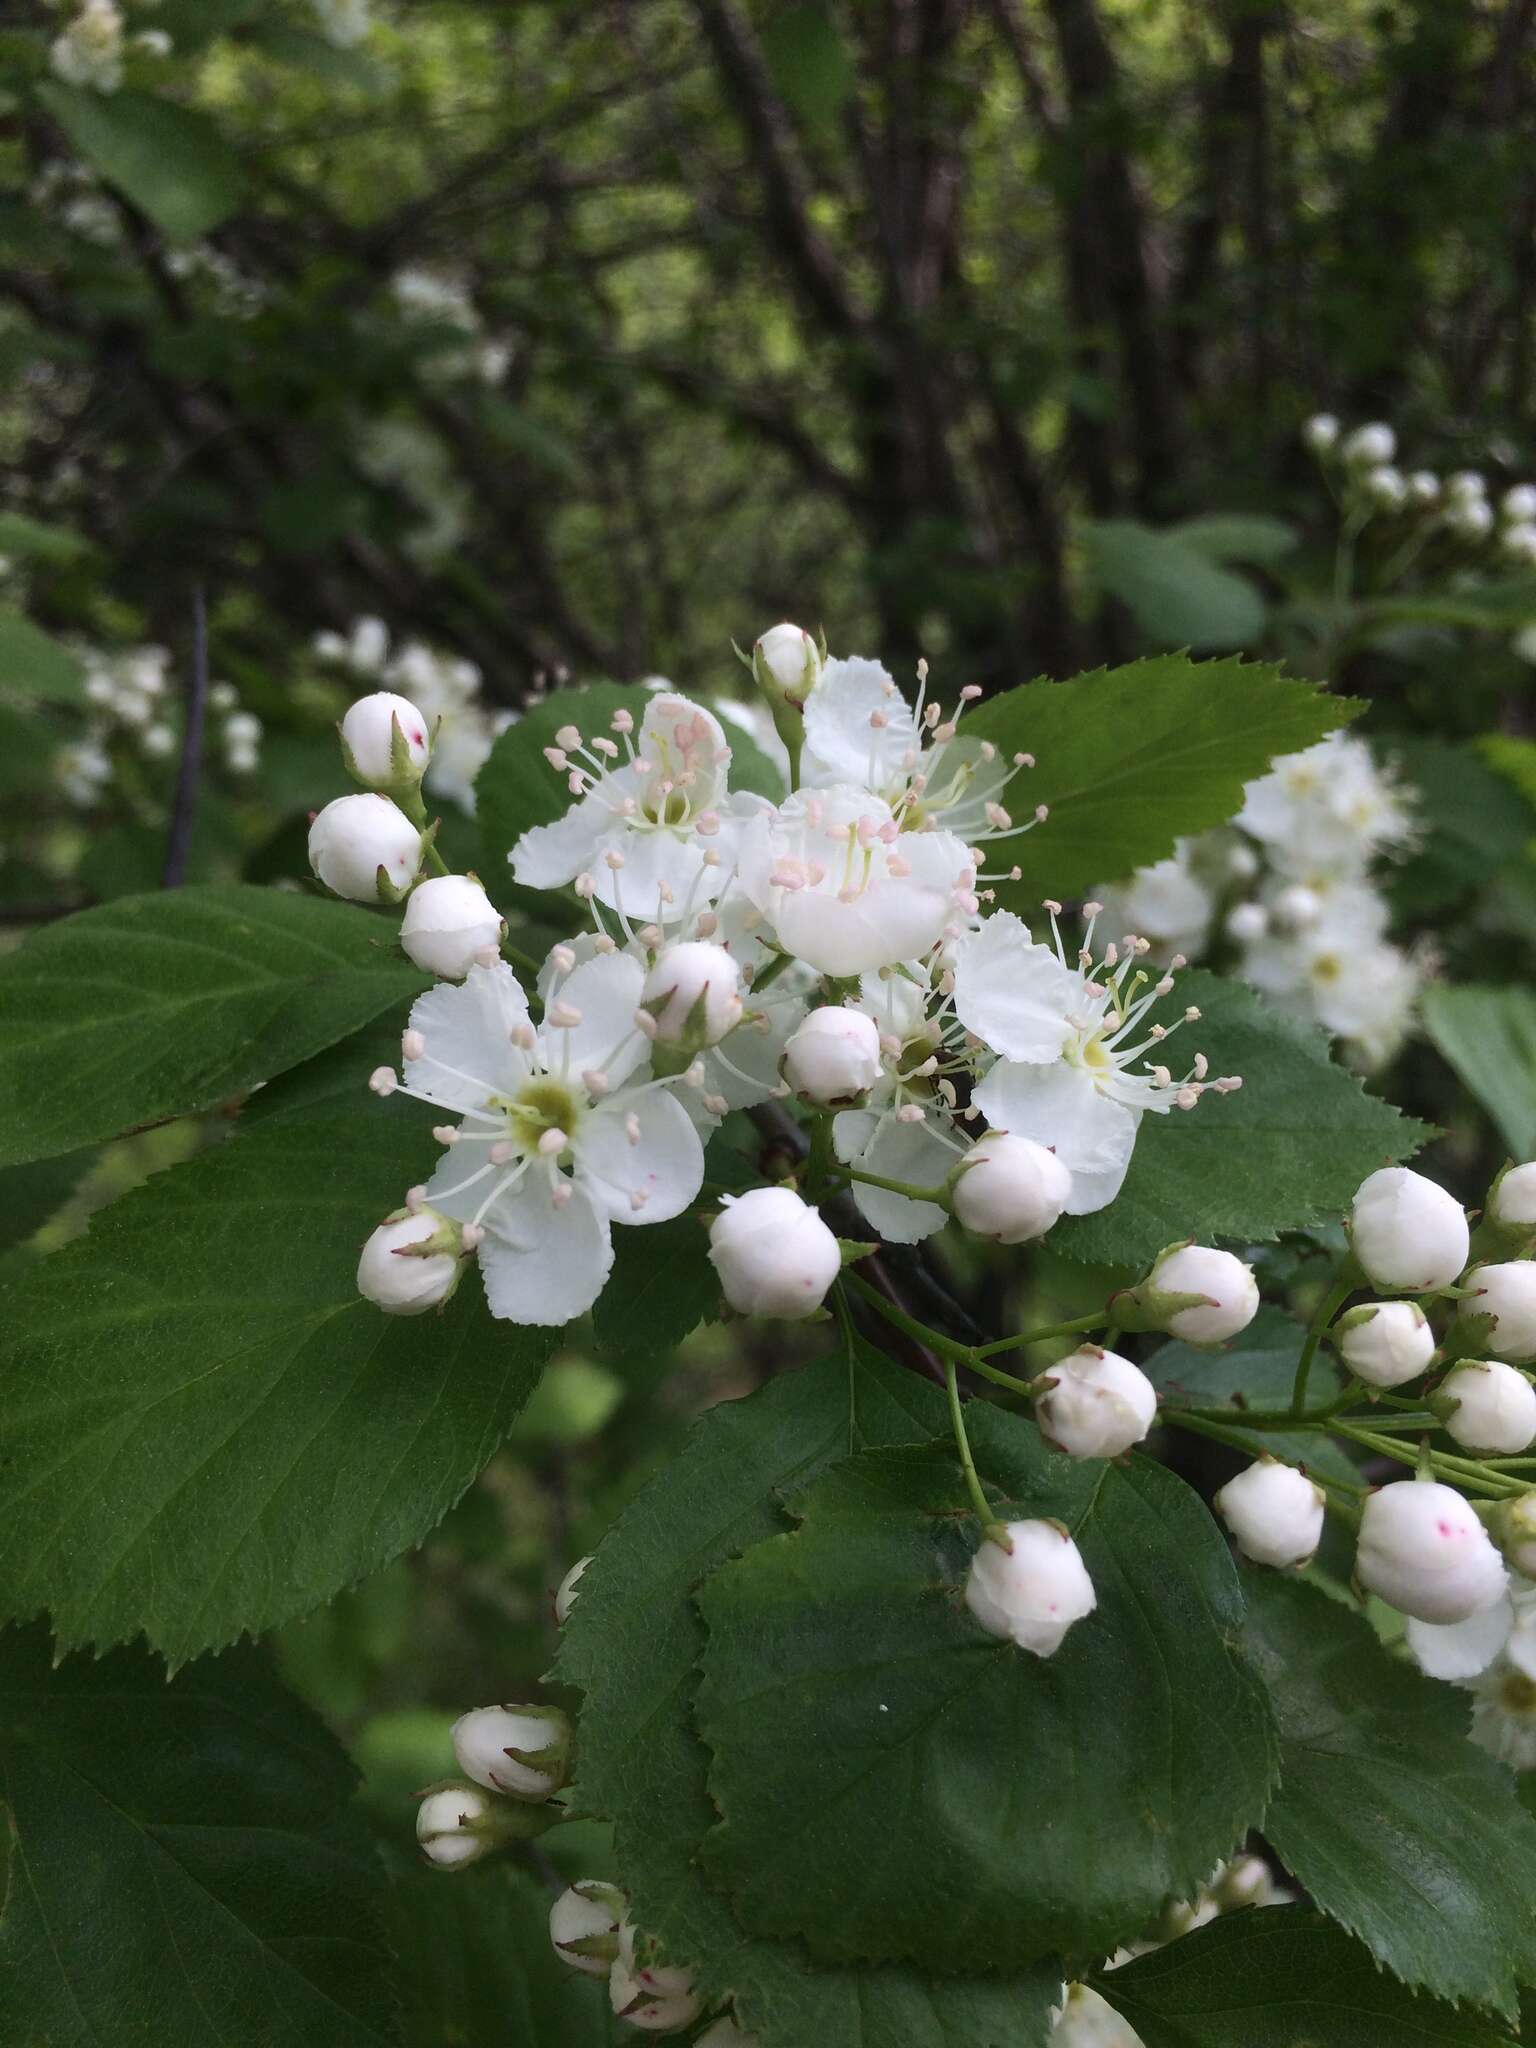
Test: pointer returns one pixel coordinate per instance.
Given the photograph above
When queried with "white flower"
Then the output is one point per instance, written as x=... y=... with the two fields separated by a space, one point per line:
x=1327 y=806
x=1246 y=922
x=1369 y=445
x=410 y=1263
x=1010 y=1189
x=1493 y=1655
x=1385 y=1343
x=1512 y=1199
x=833 y=1056
x=1164 y=904
x=846 y=888
x=1230 y=1290
x=566 y=1591
x=1495 y=1411
x=1070 y=1074
x=1424 y=1551
x=449 y=924
x=647 y=1993
x=1409 y=1235
x=573 y=1137
x=1097 y=1404
x=792 y=660
x=1321 y=432
x=1507 y=1292
x=1033 y=1591
x=385 y=741
x=343 y=22
x=904 y=1130
x=1336 y=970
x=693 y=994
x=644 y=836
x=584 y=1925
x=366 y=848
x=1088 y=2021
x=455 y=1826
x=446 y=690
x=1274 y=1512
x=90 y=51
x=520 y=1751
x=774 y=1254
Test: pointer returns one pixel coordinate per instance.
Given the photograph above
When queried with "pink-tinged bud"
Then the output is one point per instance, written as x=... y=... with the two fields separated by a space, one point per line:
x=365 y=848
x=1010 y=1189
x=411 y=1263
x=1032 y=1592
x=1099 y=1405
x=385 y=742
x=774 y=1255
x=647 y=1993
x=448 y=922
x=1424 y=1551
x=833 y=1056
x=1274 y=1512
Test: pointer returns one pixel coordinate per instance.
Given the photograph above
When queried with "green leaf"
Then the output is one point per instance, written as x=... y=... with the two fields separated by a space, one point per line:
x=1488 y=1037
x=351 y=69
x=206 y=1430
x=865 y=1726
x=1280 y=1977
x=478 y=1967
x=169 y=160
x=154 y=1006
x=37 y=541
x=1471 y=823
x=30 y=1194
x=1131 y=759
x=1285 y=1150
x=1175 y=592
x=661 y=1288
x=1237 y=537
x=33 y=665
x=1386 y=1813
x=517 y=787
x=184 y=1868
x=632 y=1645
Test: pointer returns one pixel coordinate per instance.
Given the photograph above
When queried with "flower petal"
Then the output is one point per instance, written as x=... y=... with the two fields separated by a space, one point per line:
x=1014 y=994
x=664 y=1164
x=549 y=856
x=1060 y=1107
x=840 y=742
x=541 y=1264
x=605 y=990
x=467 y=1026
x=898 y=1151
x=1460 y=1649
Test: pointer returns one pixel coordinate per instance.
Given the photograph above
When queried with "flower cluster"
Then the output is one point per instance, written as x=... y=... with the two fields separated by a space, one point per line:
x=840 y=945
x=439 y=300
x=1291 y=886
x=1362 y=465
x=132 y=716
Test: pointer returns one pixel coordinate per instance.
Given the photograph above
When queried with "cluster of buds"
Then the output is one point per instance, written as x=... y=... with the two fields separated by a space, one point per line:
x=1459 y=503
x=514 y=1761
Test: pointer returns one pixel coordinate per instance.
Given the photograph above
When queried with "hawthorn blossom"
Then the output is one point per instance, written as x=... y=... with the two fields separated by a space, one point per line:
x=1493 y=1657
x=905 y=1128
x=1329 y=804
x=1071 y=1048
x=561 y=1133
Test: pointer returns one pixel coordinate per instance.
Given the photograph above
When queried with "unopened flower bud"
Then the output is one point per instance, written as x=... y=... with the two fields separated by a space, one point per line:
x=693 y=995
x=1032 y=1592
x=1230 y=1293
x=1472 y=518
x=584 y=1926
x=1424 y=1551
x=1387 y=487
x=833 y=1056
x=1408 y=1234
x=1369 y=445
x=1512 y=1200
x=1385 y=1343
x=1519 y=503
x=411 y=1262
x=1466 y=487
x=774 y=1254
x=1246 y=923
x=787 y=663
x=1010 y=1189
x=1099 y=1405
x=1321 y=432
x=1487 y=1407
x=456 y=1826
x=1274 y=1512
x=365 y=848
x=1246 y=1881
x=1507 y=1292
x=566 y=1591
x=385 y=743
x=448 y=921
x=1514 y=1530
x=648 y=1993
x=1297 y=907
x=521 y=1751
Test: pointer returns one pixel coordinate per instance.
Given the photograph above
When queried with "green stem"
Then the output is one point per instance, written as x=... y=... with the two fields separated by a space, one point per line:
x=818 y=1160
x=908 y=1325
x=912 y=1192
x=979 y=1499
x=1072 y=1329
x=523 y=962
x=1464 y=1471
x=1343 y=1287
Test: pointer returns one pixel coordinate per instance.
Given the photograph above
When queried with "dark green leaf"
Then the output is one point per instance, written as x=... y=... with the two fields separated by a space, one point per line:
x=1280 y=1977
x=866 y=1727
x=1236 y=537
x=1488 y=1036
x=154 y=1006
x=168 y=159
x=206 y=1430
x=517 y=787
x=184 y=1869
x=1256 y=1370
x=1386 y=1813
x=632 y=1646
x=38 y=541
x=1287 y=1149
x=33 y=665
x=1175 y=592
x=1131 y=759
x=30 y=1194
x=661 y=1288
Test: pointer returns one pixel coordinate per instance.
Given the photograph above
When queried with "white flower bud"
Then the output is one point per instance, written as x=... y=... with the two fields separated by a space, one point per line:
x=791 y=659
x=649 y=1994
x=1424 y=1551
x=452 y=1826
x=774 y=1255
x=726 y=2034
x=1424 y=487
x=448 y=920
x=833 y=1056
x=1247 y=922
x=1274 y=1512
x=1472 y=518
x=365 y=848
x=1385 y=1343
x=584 y=1926
x=411 y=1263
x=1297 y=907
x=1495 y=1408
x=1387 y=486
x=384 y=741
x=1099 y=1405
x=1512 y=1199
x=1466 y=487
x=1321 y=432
x=1515 y=1533
x=1407 y=1233
x=1010 y=1189
x=694 y=994
x=1230 y=1290
x=1032 y=1593
x=565 y=1592
x=1369 y=445
x=1507 y=1292
x=521 y=1751
x=1519 y=503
